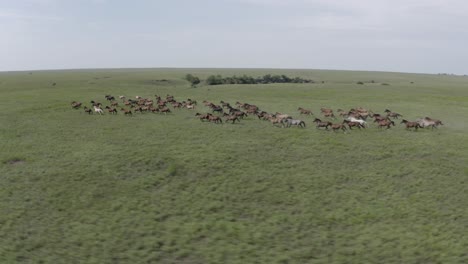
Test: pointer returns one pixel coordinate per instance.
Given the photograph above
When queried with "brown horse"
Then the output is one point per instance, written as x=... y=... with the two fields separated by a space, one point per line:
x=385 y=123
x=320 y=123
x=326 y=110
x=202 y=117
x=87 y=110
x=111 y=110
x=126 y=112
x=409 y=125
x=275 y=120
x=75 y=105
x=303 y=111
x=165 y=110
x=215 y=119
x=336 y=127
x=380 y=118
x=231 y=118
x=239 y=114
x=329 y=114
x=394 y=115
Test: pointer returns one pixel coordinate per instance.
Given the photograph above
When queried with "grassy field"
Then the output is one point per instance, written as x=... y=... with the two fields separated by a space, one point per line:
x=157 y=188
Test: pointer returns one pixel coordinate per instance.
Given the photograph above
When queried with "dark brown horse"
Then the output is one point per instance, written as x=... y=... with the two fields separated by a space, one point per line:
x=385 y=123
x=165 y=110
x=409 y=124
x=126 y=111
x=321 y=123
x=203 y=116
x=87 y=110
x=239 y=114
x=111 y=110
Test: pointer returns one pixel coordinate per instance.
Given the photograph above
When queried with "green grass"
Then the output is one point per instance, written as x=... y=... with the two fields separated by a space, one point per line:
x=170 y=189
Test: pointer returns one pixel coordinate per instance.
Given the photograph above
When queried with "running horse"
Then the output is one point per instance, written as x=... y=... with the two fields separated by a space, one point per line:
x=385 y=123
x=319 y=123
x=409 y=124
x=293 y=122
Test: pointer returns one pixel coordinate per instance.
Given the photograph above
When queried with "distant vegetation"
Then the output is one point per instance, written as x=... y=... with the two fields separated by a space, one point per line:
x=245 y=79
x=192 y=79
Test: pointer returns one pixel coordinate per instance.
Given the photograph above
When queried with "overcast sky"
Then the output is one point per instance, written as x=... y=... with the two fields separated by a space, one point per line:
x=429 y=36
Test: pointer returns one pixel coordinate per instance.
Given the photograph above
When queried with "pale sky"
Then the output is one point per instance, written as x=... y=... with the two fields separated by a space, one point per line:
x=427 y=36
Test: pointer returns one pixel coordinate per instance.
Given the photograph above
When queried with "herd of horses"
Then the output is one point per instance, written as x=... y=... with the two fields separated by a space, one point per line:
x=359 y=118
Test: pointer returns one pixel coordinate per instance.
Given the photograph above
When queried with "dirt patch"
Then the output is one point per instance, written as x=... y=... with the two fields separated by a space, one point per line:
x=155 y=82
x=15 y=161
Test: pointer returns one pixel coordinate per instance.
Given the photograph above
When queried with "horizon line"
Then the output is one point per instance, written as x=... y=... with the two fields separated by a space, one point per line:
x=222 y=68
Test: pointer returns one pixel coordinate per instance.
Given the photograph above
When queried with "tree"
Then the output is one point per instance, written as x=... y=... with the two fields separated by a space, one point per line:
x=192 y=79
x=214 y=80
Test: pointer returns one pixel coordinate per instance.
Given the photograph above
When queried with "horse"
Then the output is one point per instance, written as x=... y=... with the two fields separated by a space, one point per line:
x=96 y=104
x=437 y=121
x=320 y=123
x=303 y=111
x=429 y=122
x=231 y=118
x=239 y=114
x=126 y=112
x=386 y=123
x=176 y=105
x=380 y=118
x=282 y=116
x=215 y=119
x=224 y=104
x=409 y=124
x=353 y=124
x=336 y=127
x=326 y=110
x=203 y=117
x=87 y=110
x=192 y=102
x=275 y=120
x=75 y=105
x=394 y=115
x=98 y=110
x=165 y=110
x=293 y=122
x=360 y=121
x=329 y=114
x=111 y=110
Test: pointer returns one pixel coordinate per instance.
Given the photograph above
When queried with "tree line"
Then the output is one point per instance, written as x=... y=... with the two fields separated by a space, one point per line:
x=245 y=79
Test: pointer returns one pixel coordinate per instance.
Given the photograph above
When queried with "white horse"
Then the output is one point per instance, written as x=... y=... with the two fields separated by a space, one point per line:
x=98 y=110
x=428 y=122
x=360 y=121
